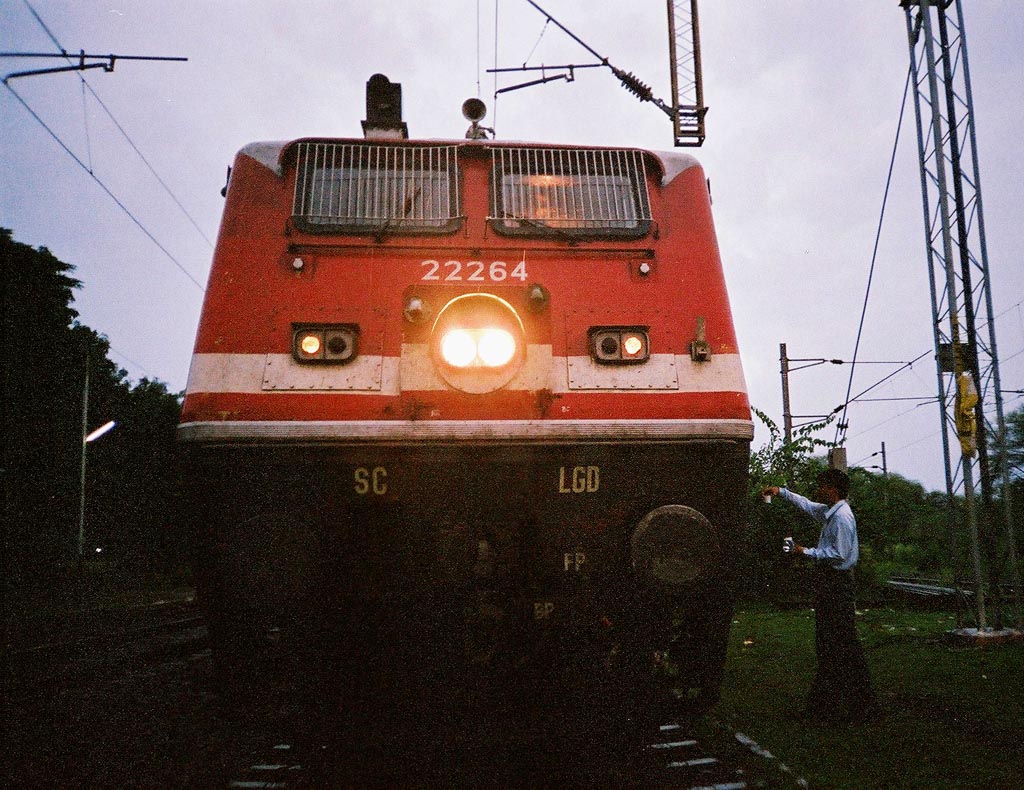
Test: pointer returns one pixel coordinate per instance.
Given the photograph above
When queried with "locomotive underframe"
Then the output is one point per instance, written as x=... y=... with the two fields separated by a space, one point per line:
x=510 y=559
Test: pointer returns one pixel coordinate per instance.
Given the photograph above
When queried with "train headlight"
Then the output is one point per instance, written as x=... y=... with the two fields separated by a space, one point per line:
x=458 y=348
x=478 y=342
x=617 y=345
x=490 y=347
x=496 y=347
x=325 y=343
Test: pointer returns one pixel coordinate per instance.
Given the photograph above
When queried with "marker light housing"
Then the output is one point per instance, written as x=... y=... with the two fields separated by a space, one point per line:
x=619 y=345
x=330 y=344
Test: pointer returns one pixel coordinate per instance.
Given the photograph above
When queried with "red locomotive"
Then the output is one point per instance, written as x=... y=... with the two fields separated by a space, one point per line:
x=472 y=401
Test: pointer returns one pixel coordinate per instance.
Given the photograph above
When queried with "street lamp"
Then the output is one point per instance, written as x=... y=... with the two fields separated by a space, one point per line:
x=86 y=438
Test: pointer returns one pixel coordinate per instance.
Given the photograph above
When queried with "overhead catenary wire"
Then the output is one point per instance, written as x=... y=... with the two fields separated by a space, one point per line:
x=629 y=80
x=842 y=423
x=494 y=114
x=133 y=363
x=85 y=123
x=105 y=188
x=86 y=167
x=127 y=137
x=923 y=402
x=881 y=381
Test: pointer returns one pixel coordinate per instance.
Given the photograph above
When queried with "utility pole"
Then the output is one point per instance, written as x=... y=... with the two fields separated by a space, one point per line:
x=885 y=484
x=967 y=362
x=787 y=413
x=81 y=479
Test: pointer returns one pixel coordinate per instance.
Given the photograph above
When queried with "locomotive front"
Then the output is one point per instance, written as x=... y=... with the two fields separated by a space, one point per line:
x=476 y=402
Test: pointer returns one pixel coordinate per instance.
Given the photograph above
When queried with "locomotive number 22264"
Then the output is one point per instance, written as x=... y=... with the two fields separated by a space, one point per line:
x=473 y=271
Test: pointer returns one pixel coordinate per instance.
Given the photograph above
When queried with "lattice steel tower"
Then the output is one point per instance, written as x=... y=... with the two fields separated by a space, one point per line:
x=967 y=363
x=684 y=68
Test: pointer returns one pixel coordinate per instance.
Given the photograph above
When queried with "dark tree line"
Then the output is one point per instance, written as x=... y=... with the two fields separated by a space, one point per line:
x=131 y=502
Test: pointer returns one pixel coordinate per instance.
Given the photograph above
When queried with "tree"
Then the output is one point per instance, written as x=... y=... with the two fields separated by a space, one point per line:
x=767 y=572
x=1015 y=443
x=38 y=353
x=132 y=479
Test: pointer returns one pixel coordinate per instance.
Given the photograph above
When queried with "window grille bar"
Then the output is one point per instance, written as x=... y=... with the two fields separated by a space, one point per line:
x=570 y=188
x=340 y=185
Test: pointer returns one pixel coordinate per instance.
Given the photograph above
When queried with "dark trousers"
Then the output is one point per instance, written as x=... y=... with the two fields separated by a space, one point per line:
x=842 y=685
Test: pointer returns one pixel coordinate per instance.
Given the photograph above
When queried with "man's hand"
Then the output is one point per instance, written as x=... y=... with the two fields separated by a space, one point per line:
x=798 y=549
x=770 y=491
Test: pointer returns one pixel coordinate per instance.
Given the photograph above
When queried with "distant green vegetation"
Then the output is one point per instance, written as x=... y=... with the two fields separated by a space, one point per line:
x=954 y=714
x=131 y=510
x=903 y=529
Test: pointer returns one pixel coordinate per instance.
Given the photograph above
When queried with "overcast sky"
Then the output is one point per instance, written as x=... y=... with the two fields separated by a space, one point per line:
x=804 y=99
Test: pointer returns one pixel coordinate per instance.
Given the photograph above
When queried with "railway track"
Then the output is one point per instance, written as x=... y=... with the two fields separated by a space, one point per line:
x=678 y=754
x=145 y=634
x=103 y=676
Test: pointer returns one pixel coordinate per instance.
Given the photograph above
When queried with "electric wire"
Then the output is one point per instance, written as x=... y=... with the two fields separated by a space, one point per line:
x=920 y=399
x=133 y=363
x=537 y=42
x=150 y=167
x=85 y=123
x=104 y=187
x=127 y=137
x=923 y=402
x=874 y=257
x=881 y=381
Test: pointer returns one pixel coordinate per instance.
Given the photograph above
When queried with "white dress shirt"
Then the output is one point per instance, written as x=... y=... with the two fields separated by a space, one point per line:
x=837 y=547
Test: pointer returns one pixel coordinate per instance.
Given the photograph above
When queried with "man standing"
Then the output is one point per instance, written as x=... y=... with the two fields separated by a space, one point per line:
x=842 y=686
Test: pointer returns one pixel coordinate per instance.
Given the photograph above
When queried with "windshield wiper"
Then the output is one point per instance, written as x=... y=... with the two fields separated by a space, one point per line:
x=394 y=222
x=543 y=227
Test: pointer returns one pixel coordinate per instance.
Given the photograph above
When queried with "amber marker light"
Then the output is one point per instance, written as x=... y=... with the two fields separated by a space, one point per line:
x=326 y=344
x=632 y=346
x=310 y=344
x=617 y=345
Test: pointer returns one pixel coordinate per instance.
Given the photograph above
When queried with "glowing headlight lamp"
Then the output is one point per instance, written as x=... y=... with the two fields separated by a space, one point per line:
x=491 y=347
x=458 y=348
x=478 y=342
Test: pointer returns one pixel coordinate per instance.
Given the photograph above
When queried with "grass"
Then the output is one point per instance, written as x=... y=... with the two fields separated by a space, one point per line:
x=954 y=714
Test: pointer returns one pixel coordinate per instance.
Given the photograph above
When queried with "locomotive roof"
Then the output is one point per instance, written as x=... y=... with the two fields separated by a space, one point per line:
x=271 y=154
